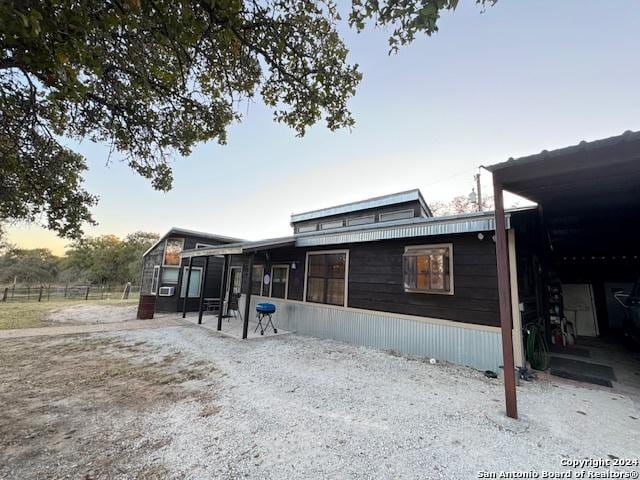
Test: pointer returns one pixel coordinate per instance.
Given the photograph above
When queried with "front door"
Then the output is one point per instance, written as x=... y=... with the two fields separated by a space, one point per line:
x=279 y=281
x=235 y=280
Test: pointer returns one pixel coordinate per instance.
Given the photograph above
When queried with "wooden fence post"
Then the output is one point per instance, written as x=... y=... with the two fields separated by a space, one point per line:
x=48 y=292
x=28 y=293
x=4 y=295
x=40 y=294
x=86 y=296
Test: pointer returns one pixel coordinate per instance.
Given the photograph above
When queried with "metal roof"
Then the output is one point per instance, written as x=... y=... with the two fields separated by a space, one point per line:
x=415 y=227
x=193 y=233
x=582 y=147
x=376 y=202
x=239 y=247
x=589 y=175
x=424 y=227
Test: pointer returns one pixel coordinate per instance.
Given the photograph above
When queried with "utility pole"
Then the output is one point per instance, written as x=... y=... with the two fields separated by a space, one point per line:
x=479 y=188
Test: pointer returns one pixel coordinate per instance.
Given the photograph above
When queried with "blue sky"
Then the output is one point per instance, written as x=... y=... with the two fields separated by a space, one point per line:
x=521 y=77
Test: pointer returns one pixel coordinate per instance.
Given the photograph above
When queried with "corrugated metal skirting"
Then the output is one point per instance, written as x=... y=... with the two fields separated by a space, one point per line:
x=476 y=348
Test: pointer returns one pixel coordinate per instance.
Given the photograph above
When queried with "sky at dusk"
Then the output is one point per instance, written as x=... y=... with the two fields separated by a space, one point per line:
x=521 y=77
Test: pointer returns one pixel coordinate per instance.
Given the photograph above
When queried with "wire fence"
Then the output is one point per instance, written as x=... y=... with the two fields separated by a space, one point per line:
x=47 y=293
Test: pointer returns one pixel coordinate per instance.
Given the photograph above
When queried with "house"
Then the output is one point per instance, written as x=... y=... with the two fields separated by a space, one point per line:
x=162 y=274
x=382 y=272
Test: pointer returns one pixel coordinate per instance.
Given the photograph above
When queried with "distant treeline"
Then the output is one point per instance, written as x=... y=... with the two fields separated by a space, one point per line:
x=103 y=260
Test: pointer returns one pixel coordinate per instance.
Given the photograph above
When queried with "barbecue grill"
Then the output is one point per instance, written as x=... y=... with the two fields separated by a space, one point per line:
x=265 y=310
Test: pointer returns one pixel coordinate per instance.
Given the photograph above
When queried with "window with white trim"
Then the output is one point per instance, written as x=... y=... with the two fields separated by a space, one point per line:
x=155 y=279
x=203 y=245
x=326 y=277
x=361 y=220
x=194 y=283
x=279 y=281
x=307 y=228
x=172 y=249
x=397 y=215
x=330 y=225
x=170 y=275
x=428 y=269
x=257 y=280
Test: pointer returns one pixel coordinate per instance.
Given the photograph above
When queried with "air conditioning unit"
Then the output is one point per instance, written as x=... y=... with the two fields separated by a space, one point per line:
x=167 y=291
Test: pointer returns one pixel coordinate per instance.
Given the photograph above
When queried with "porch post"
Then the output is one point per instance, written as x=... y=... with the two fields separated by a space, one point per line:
x=186 y=292
x=504 y=295
x=223 y=288
x=204 y=285
x=247 y=304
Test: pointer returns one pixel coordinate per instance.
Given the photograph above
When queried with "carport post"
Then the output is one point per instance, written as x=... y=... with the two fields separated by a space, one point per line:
x=504 y=296
x=204 y=285
x=223 y=289
x=186 y=292
x=247 y=305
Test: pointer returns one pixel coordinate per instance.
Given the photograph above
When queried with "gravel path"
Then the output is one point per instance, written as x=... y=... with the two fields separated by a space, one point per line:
x=298 y=407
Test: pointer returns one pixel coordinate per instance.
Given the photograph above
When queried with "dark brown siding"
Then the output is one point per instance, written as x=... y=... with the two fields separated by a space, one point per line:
x=376 y=280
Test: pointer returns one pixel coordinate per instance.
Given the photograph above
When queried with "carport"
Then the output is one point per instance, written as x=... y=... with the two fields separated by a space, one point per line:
x=581 y=250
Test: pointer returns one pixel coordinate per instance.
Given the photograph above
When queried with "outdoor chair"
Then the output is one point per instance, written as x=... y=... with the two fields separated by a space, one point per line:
x=233 y=308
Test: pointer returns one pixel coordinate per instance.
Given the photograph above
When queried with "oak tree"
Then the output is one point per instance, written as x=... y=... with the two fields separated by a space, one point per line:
x=153 y=78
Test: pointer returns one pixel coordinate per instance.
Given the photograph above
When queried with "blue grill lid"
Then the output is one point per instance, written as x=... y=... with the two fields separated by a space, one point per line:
x=265 y=308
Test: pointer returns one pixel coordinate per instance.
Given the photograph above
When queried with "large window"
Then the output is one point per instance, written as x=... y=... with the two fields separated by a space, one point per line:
x=257 y=278
x=155 y=279
x=279 y=281
x=428 y=269
x=172 y=250
x=326 y=277
x=194 y=283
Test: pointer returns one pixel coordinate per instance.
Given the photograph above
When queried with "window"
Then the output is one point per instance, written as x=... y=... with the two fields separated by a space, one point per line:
x=155 y=279
x=170 y=275
x=235 y=280
x=307 y=228
x=279 y=281
x=194 y=283
x=172 y=250
x=361 y=220
x=326 y=277
x=428 y=269
x=330 y=225
x=397 y=215
x=257 y=279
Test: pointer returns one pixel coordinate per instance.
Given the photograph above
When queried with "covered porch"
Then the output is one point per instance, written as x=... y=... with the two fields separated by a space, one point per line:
x=579 y=254
x=233 y=313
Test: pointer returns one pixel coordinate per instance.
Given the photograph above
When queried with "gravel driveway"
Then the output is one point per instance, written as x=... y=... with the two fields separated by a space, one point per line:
x=186 y=402
x=298 y=407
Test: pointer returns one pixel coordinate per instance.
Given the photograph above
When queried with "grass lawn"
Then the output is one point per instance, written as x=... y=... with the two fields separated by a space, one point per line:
x=34 y=314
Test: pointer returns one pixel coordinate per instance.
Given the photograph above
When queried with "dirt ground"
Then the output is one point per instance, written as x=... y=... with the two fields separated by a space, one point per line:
x=71 y=406
x=188 y=403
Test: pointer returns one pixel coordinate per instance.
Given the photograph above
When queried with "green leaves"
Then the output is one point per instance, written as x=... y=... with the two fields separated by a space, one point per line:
x=153 y=78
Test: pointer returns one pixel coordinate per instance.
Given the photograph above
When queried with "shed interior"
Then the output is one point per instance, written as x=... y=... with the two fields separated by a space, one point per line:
x=579 y=257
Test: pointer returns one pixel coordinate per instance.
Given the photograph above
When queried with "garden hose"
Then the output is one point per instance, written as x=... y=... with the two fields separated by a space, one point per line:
x=536 y=349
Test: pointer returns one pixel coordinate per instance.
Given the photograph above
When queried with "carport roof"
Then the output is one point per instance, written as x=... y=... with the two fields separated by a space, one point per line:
x=606 y=170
